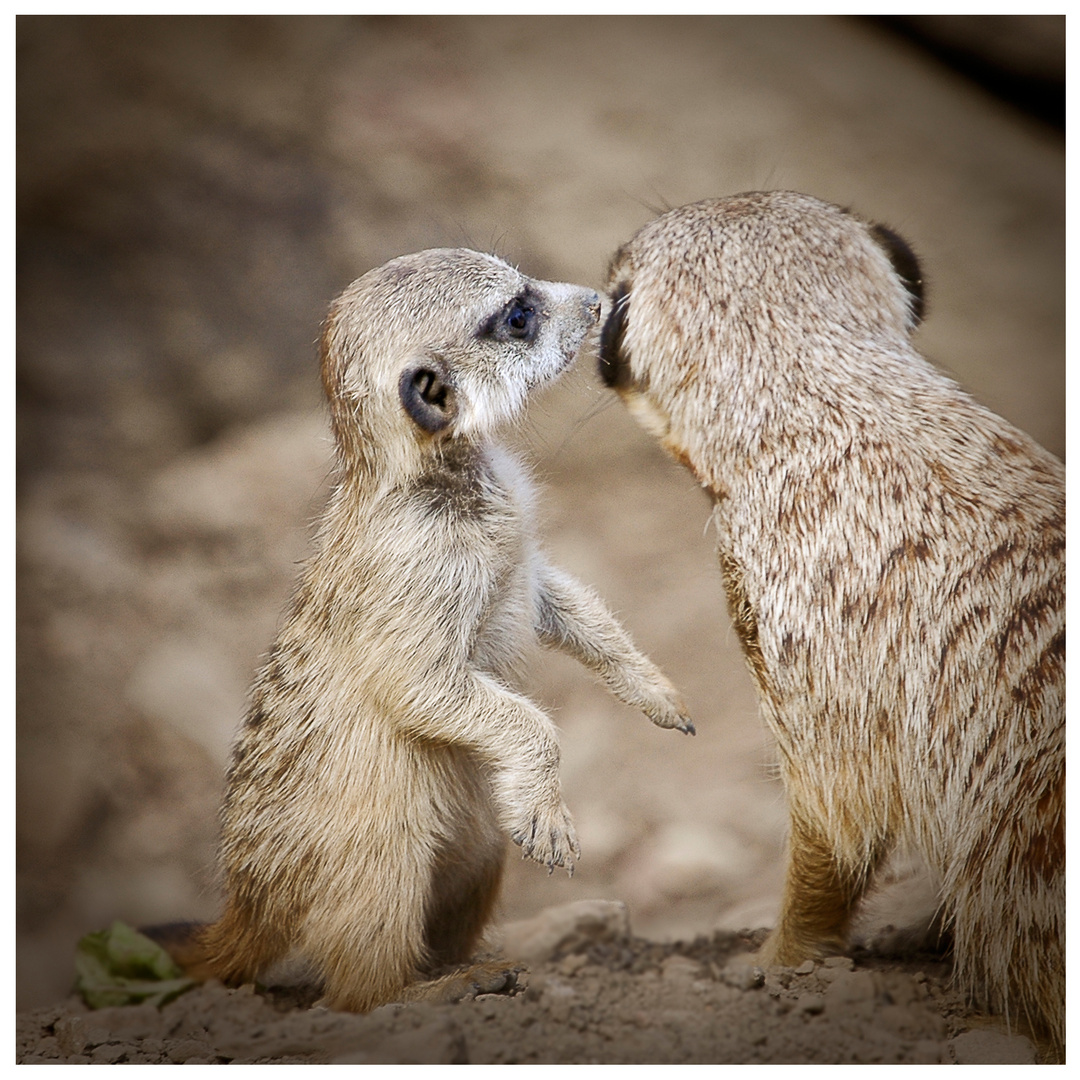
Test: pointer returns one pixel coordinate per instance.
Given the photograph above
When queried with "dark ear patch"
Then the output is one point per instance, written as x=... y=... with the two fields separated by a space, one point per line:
x=613 y=364
x=427 y=397
x=906 y=266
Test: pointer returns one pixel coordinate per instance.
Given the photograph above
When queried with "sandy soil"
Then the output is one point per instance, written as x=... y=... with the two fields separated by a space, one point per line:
x=593 y=994
x=191 y=195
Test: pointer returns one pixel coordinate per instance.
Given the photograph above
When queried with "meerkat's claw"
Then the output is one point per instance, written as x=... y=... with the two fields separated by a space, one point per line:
x=671 y=713
x=552 y=844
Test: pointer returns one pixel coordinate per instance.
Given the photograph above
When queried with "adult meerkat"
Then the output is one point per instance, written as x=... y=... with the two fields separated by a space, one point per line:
x=387 y=751
x=893 y=557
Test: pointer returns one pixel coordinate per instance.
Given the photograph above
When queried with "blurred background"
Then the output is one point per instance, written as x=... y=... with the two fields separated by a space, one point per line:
x=192 y=192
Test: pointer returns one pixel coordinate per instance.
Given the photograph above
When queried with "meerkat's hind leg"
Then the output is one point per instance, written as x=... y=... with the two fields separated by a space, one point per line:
x=465 y=883
x=571 y=617
x=821 y=891
x=367 y=954
x=464 y=889
x=387 y=952
x=466 y=875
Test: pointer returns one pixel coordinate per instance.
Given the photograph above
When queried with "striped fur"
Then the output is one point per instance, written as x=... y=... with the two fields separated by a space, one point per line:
x=893 y=554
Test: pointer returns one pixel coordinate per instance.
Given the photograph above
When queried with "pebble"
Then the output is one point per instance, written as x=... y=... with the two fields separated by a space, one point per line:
x=108 y=1054
x=843 y=962
x=742 y=976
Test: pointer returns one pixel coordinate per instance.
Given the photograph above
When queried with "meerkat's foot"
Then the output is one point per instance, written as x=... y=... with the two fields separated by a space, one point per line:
x=791 y=949
x=666 y=709
x=491 y=977
x=776 y=950
x=548 y=837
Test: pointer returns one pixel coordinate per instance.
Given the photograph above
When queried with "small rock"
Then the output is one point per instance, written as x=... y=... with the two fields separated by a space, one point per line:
x=74 y=1034
x=742 y=976
x=989 y=1047
x=108 y=1054
x=806 y=968
x=844 y=962
x=49 y=1047
x=570 y=965
x=153 y=1049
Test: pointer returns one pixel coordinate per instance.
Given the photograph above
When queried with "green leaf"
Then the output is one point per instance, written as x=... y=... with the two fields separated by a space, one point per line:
x=120 y=966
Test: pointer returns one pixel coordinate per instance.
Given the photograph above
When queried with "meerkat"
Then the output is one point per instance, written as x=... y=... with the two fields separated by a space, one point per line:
x=893 y=558
x=387 y=750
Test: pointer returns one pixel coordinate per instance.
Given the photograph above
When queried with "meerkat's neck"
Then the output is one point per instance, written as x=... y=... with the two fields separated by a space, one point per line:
x=782 y=411
x=399 y=465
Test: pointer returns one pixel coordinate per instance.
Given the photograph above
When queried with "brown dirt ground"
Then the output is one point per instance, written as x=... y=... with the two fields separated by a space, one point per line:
x=191 y=195
x=592 y=994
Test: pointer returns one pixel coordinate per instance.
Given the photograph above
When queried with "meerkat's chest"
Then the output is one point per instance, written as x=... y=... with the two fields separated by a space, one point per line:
x=508 y=534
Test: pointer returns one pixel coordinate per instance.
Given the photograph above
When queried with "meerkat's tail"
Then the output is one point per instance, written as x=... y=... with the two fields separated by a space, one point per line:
x=183 y=941
x=222 y=950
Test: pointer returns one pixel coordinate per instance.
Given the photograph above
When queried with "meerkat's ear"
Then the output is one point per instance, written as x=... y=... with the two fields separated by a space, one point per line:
x=906 y=265
x=427 y=396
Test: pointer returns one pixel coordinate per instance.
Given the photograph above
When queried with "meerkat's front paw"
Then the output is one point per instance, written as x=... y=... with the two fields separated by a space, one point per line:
x=548 y=837
x=666 y=709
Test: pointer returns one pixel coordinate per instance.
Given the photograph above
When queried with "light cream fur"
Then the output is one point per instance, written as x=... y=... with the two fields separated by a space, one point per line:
x=388 y=750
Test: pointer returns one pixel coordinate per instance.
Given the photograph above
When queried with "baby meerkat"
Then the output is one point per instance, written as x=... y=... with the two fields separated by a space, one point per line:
x=893 y=557
x=387 y=751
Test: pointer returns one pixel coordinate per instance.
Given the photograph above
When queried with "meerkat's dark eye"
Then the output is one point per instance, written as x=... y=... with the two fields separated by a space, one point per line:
x=519 y=319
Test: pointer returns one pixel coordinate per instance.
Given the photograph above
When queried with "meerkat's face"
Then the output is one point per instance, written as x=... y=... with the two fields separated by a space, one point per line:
x=447 y=343
x=721 y=295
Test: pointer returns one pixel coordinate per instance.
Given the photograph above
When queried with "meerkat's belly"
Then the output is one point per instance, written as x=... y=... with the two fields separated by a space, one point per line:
x=374 y=795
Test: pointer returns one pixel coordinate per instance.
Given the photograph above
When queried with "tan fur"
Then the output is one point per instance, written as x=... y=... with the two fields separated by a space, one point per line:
x=387 y=751
x=893 y=555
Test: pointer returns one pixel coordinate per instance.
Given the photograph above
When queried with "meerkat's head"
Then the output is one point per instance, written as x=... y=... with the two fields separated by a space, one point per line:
x=761 y=294
x=443 y=345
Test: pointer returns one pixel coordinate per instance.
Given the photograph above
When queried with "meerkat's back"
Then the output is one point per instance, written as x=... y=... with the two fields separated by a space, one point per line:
x=893 y=555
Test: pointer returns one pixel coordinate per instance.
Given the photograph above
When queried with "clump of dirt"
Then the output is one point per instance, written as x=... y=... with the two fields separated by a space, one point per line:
x=610 y=998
